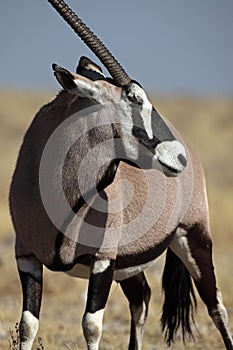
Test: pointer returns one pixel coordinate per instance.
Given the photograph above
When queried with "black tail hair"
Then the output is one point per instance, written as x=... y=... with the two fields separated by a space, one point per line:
x=179 y=302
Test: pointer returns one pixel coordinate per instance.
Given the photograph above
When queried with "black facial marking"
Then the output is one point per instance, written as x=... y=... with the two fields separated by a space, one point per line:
x=160 y=129
x=139 y=130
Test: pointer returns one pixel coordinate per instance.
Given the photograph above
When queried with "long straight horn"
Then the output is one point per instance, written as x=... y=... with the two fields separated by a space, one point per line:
x=93 y=42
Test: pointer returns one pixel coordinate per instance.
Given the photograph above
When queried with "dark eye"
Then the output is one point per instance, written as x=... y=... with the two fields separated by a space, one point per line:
x=135 y=99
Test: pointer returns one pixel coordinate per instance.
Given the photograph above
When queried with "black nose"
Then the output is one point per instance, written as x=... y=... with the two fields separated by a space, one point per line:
x=182 y=160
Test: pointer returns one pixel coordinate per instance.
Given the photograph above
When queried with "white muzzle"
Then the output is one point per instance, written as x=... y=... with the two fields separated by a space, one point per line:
x=172 y=156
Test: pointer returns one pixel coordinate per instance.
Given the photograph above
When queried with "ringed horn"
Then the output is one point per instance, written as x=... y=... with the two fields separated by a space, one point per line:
x=118 y=74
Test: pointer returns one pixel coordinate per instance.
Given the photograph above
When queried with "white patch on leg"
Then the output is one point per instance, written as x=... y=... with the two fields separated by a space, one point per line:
x=30 y=265
x=92 y=328
x=180 y=247
x=220 y=319
x=221 y=307
x=138 y=94
x=139 y=315
x=28 y=329
x=220 y=314
x=100 y=266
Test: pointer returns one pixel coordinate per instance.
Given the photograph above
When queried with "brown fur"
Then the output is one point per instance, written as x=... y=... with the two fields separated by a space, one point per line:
x=34 y=229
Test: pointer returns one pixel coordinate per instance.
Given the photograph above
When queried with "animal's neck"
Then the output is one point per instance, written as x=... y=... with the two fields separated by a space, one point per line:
x=90 y=163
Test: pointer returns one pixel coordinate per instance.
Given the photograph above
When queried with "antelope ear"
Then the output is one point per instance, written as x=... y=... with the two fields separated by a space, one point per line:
x=89 y=69
x=78 y=84
x=86 y=63
x=64 y=77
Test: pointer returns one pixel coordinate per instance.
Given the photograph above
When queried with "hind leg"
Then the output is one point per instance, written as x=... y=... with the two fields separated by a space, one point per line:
x=194 y=248
x=138 y=294
x=30 y=272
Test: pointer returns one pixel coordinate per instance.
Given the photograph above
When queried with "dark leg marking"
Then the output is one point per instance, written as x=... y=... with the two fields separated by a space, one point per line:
x=30 y=272
x=98 y=290
x=138 y=293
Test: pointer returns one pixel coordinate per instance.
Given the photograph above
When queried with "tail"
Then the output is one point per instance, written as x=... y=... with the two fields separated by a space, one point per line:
x=180 y=302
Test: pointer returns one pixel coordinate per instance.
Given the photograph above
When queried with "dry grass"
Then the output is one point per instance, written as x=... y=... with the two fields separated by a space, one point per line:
x=208 y=125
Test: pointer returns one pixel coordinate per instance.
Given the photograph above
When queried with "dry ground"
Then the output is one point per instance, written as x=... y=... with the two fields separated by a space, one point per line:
x=208 y=125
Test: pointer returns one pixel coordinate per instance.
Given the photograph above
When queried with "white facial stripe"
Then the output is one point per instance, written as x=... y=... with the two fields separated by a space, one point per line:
x=146 y=116
x=136 y=92
x=100 y=266
x=130 y=146
x=29 y=325
x=31 y=266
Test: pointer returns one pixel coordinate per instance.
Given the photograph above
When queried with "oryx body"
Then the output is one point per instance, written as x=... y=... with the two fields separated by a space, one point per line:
x=132 y=190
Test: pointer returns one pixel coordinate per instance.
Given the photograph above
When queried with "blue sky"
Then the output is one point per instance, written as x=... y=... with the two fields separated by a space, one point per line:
x=169 y=46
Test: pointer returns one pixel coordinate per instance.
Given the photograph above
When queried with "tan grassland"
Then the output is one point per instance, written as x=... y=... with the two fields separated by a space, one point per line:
x=208 y=125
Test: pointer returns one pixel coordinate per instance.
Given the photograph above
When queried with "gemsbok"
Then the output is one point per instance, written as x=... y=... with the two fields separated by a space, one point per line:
x=102 y=187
